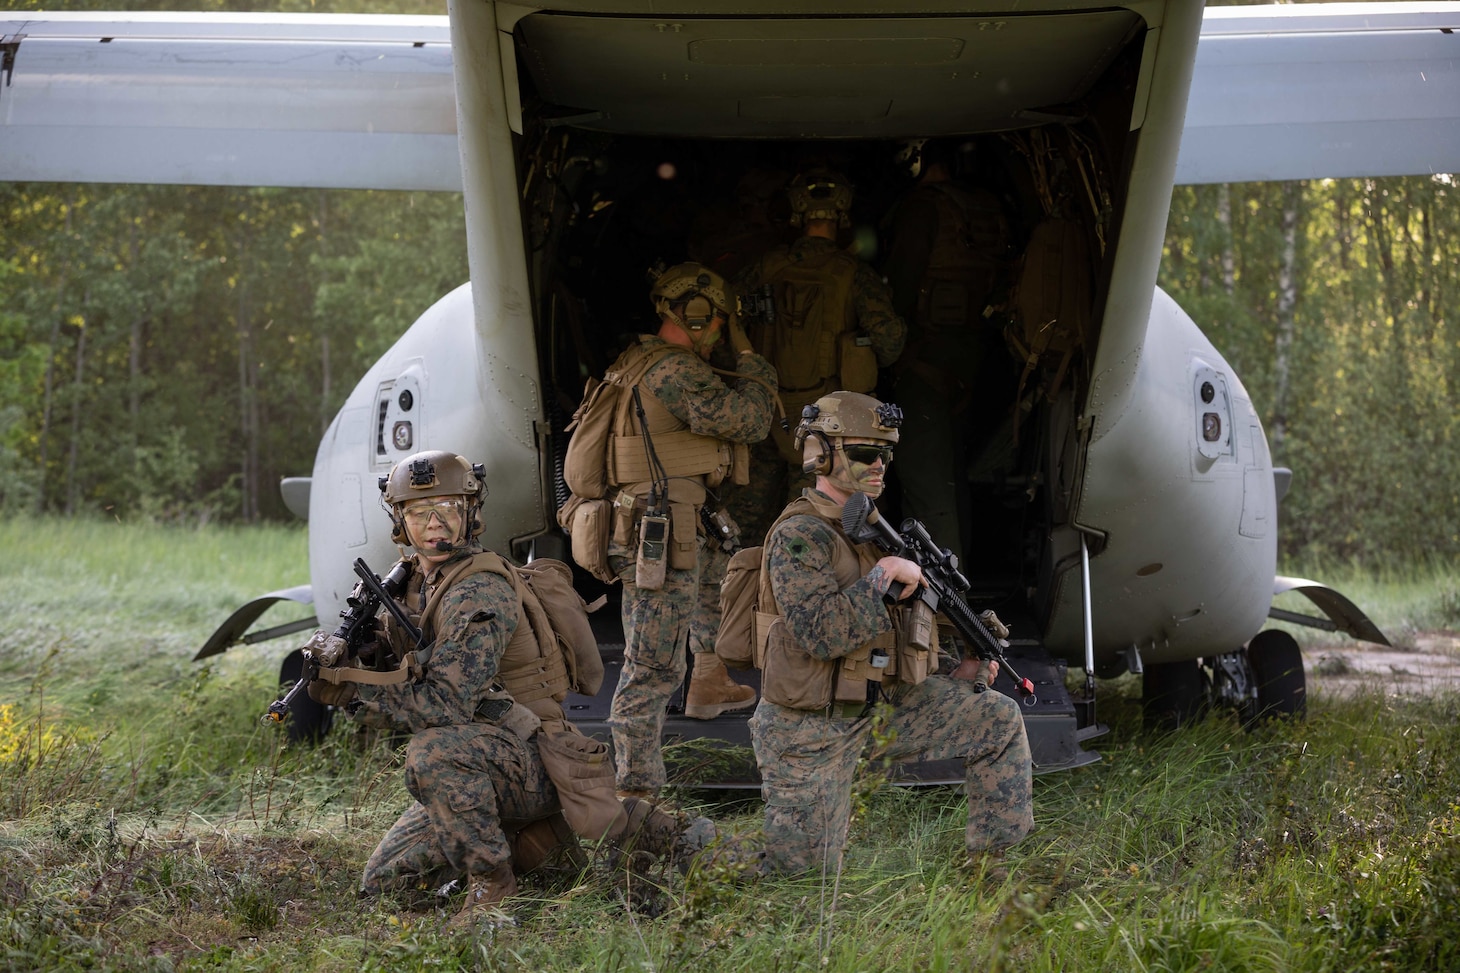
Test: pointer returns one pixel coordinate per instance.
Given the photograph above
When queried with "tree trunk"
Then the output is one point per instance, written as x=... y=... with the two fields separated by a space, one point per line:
x=1286 y=305
x=1224 y=217
x=77 y=405
x=53 y=348
x=248 y=479
x=325 y=372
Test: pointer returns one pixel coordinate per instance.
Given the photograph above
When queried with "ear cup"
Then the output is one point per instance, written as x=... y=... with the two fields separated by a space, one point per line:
x=820 y=464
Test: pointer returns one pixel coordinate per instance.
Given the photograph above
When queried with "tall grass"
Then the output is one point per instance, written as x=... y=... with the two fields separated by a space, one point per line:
x=148 y=821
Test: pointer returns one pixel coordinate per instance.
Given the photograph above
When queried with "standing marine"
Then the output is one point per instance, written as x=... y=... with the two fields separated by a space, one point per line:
x=481 y=696
x=677 y=442
x=826 y=323
x=834 y=655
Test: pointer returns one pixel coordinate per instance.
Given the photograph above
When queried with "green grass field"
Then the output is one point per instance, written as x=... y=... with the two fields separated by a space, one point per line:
x=148 y=821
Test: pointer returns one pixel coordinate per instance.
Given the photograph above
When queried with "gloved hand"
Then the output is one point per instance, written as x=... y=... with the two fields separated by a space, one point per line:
x=332 y=693
x=739 y=340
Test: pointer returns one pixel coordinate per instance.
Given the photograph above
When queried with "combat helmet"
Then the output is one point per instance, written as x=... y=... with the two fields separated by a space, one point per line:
x=849 y=414
x=820 y=194
x=432 y=473
x=909 y=157
x=702 y=292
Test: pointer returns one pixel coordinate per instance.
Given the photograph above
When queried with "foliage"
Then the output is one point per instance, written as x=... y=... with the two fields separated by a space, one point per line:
x=149 y=822
x=161 y=348
x=1369 y=408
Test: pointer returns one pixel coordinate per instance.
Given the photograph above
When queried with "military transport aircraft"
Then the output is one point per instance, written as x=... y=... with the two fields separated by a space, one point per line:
x=1131 y=499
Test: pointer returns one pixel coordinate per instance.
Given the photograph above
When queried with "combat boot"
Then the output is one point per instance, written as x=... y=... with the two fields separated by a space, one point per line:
x=484 y=897
x=654 y=835
x=712 y=691
x=547 y=843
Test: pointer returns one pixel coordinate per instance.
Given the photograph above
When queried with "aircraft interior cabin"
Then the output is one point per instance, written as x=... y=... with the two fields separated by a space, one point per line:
x=611 y=191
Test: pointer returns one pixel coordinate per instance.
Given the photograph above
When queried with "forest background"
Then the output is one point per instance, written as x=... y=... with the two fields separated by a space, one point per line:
x=168 y=353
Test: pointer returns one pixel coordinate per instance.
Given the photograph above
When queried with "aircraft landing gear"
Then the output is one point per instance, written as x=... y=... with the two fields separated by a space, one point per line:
x=1174 y=694
x=1277 y=663
x=308 y=721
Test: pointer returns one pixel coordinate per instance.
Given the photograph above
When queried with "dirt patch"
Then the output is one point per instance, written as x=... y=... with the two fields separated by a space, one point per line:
x=1430 y=664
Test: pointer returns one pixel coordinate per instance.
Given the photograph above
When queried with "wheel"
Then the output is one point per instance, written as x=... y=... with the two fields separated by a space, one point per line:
x=1282 y=687
x=308 y=721
x=1173 y=694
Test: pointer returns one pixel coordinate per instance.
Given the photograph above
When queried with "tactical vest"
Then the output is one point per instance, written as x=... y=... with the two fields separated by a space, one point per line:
x=791 y=676
x=814 y=342
x=813 y=302
x=680 y=452
x=532 y=668
x=966 y=256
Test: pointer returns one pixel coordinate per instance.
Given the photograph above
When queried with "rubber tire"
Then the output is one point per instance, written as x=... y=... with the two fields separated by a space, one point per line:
x=1282 y=686
x=308 y=721
x=1173 y=694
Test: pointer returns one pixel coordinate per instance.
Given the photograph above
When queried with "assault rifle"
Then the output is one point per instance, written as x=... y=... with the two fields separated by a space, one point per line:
x=943 y=591
x=354 y=631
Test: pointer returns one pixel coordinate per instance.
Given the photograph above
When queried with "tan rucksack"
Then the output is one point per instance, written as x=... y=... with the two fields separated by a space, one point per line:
x=599 y=416
x=556 y=612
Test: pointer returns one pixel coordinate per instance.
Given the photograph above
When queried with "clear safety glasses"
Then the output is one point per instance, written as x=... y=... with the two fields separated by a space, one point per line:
x=418 y=513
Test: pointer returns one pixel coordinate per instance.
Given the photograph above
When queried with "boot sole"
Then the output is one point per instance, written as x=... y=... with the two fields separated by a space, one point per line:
x=712 y=710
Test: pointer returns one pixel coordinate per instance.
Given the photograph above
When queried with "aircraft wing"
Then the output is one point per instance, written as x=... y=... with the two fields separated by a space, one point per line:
x=1304 y=91
x=348 y=102
x=362 y=101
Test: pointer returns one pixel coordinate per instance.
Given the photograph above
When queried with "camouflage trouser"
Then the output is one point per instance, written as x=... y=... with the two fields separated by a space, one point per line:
x=468 y=780
x=807 y=761
x=656 y=629
x=705 y=624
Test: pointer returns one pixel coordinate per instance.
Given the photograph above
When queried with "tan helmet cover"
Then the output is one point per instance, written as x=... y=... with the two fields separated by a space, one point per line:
x=849 y=415
x=820 y=194
x=433 y=473
x=683 y=283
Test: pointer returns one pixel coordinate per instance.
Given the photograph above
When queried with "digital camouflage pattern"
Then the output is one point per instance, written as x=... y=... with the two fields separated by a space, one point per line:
x=705 y=623
x=807 y=759
x=469 y=779
x=685 y=385
x=657 y=623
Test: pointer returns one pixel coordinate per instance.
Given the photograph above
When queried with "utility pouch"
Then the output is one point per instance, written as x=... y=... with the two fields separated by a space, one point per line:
x=684 y=536
x=858 y=363
x=653 y=549
x=856 y=669
x=587 y=523
x=581 y=770
x=916 y=634
x=792 y=677
x=740 y=464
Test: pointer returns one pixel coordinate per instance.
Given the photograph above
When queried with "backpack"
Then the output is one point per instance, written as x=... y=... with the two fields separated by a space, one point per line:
x=601 y=414
x=740 y=640
x=556 y=612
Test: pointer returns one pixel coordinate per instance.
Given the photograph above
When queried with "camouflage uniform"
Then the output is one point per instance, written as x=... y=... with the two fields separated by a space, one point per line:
x=807 y=758
x=776 y=475
x=473 y=781
x=657 y=623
